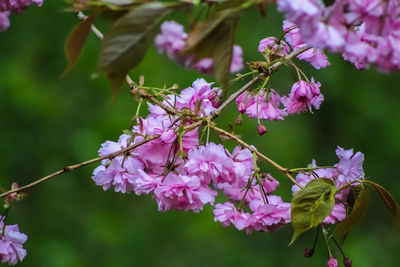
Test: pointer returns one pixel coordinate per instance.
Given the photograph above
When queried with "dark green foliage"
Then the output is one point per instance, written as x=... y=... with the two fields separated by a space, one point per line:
x=356 y=214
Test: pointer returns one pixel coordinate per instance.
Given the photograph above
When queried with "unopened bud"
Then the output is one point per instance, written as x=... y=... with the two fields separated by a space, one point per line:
x=239 y=120
x=332 y=262
x=347 y=262
x=308 y=252
x=211 y=96
x=242 y=107
x=261 y=130
x=217 y=102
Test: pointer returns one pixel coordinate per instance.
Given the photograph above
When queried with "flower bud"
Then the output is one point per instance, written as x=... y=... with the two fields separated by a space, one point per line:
x=332 y=262
x=261 y=130
x=217 y=102
x=347 y=262
x=308 y=252
x=211 y=96
x=239 y=120
x=242 y=107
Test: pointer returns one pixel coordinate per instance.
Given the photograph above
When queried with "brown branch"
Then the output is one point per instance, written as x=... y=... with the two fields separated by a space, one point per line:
x=79 y=165
x=252 y=149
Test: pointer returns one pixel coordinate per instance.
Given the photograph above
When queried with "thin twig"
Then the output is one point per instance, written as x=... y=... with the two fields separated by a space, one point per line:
x=79 y=165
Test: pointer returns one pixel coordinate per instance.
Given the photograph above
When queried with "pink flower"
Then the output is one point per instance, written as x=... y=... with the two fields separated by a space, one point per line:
x=269 y=217
x=256 y=107
x=228 y=214
x=338 y=214
x=211 y=162
x=181 y=192
x=303 y=96
x=11 y=250
x=332 y=262
x=154 y=154
x=171 y=39
x=350 y=166
x=145 y=183
x=270 y=184
x=199 y=92
x=120 y=171
x=270 y=45
x=243 y=164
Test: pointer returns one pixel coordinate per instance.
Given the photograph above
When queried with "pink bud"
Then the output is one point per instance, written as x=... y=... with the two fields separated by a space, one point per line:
x=242 y=107
x=211 y=96
x=217 y=102
x=332 y=262
x=261 y=130
x=347 y=262
x=308 y=252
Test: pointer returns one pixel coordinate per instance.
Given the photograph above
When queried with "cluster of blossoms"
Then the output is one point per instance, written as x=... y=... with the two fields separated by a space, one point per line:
x=11 y=240
x=8 y=7
x=183 y=175
x=265 y=103
x=364 y=31
x=172 y=40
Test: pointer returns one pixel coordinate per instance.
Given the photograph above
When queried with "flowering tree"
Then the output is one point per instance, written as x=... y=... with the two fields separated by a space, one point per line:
x=169 y=154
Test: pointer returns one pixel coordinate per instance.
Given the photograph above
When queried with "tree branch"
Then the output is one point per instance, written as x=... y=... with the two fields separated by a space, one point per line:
x=79 y=165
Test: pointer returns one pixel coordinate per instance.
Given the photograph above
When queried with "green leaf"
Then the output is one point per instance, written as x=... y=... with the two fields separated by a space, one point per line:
x=311 y=205
x=128 y=38
x=356 y=214
x=214 y=38
x=389 y=201
x=75 y=42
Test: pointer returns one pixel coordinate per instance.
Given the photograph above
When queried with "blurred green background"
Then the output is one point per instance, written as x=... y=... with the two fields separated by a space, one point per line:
x=48 y=123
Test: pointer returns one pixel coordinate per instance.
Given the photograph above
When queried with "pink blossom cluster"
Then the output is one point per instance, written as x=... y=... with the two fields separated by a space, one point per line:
x=11 y=250
x=364 y=31
x=181 y=174
x=8 y=7
x=266 y=104
x=348 y=169
x=172 y=40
